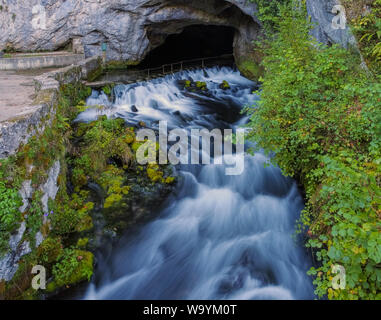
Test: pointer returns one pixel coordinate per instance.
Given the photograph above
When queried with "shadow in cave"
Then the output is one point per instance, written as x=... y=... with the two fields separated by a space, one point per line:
x=193 y=42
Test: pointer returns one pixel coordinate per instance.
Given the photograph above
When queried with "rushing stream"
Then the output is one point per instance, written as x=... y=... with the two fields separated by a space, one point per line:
x=219 y=236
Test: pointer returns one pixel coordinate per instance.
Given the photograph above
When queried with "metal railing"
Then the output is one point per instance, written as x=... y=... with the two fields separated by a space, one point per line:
x=184 y=65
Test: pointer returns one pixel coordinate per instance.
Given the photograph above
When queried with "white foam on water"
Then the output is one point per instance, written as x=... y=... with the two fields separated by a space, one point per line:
x=221 y=237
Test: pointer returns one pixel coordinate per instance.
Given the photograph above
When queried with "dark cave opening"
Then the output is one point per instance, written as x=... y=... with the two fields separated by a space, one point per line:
x=197 y=41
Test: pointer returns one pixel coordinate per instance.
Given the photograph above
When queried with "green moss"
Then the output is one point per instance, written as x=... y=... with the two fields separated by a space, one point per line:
x=73 y=94
x=94 y=74
x=136 y=145
x=154 y=173
x=201 y=85
x=170 y=180
x=250 y=69
x=318 y=119
x=108 y=89
x=112 y=199
x=84 y=224
x=224 y=85
x=49 y=250
x=82 y=243
x=10 y=216
x=130 y=136
x=120 y=64
x=107 y=138
x=73 y=266
x=99 y=152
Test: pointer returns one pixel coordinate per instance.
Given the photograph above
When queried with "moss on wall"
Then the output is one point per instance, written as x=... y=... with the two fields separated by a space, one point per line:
x=100 y=152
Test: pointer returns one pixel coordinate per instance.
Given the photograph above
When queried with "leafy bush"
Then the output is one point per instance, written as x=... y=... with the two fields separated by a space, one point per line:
x=320 y=113
x=10 y=202
x=269 y=12
x=34 y=220
x=366 y=26
x=72 y=267
x=49 y=250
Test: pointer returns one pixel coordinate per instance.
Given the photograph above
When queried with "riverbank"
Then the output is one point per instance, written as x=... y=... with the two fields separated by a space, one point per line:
x=319 y=115
x=46 y=213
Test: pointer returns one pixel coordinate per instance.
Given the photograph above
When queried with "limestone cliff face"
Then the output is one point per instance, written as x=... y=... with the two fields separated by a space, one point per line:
x=134 y=27
x=130 y=27
x=321 y=12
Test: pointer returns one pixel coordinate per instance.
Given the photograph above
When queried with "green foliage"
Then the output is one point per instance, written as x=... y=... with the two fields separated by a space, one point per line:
x=120 y=65
x=82 y=243
x=225 y=85
x=49 y=250
x=71 y=215
x=196 y=86
x=105 y=143
x=250 y=69
x=269 y=13
x=108 y=89
x=112 y=180
x=75 y=93
x=73 y=266
x=320 y=113
x=68 y=214
x=107 y=138
x=154 y=173
x=367 y=28
x=34 y=219
x=10 y=201
x=201 y=85
x=10 y=216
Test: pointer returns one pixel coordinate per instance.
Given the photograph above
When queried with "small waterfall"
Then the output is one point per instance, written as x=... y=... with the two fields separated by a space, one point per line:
x=220 y=237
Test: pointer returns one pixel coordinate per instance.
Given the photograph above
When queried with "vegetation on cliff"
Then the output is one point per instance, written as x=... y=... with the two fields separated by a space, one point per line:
x=367 y=28
x=320 y=114
x=101 y=152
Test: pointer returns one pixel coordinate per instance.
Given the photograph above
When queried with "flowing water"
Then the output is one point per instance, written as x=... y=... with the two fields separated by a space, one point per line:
x=219 y=236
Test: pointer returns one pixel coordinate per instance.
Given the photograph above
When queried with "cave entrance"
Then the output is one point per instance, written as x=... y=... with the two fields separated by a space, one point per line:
x=197 y=41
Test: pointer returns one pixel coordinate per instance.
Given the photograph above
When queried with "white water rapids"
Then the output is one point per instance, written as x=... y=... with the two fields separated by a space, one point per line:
x=219 y=237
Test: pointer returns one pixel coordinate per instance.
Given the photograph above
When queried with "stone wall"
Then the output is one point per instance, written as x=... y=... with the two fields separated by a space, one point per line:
x=39 y=62
x=16 y=133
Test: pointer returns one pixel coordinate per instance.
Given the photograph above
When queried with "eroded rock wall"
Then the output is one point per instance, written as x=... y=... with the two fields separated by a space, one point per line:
x=130 y=28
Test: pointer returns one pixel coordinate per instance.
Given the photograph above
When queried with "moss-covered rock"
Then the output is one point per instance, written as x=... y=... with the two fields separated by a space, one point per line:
x=154 y=173
x=224 y=85
x=250 y=69
x=73 y=266
x=194 y=86
x=101 y=152
x=49 y=250
x=120 y=64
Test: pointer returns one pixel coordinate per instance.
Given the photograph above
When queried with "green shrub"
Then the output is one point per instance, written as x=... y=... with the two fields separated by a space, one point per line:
x=320 y=114
x=73 y=266
x=49 y=250
x=10 y=216
x=367 y=28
